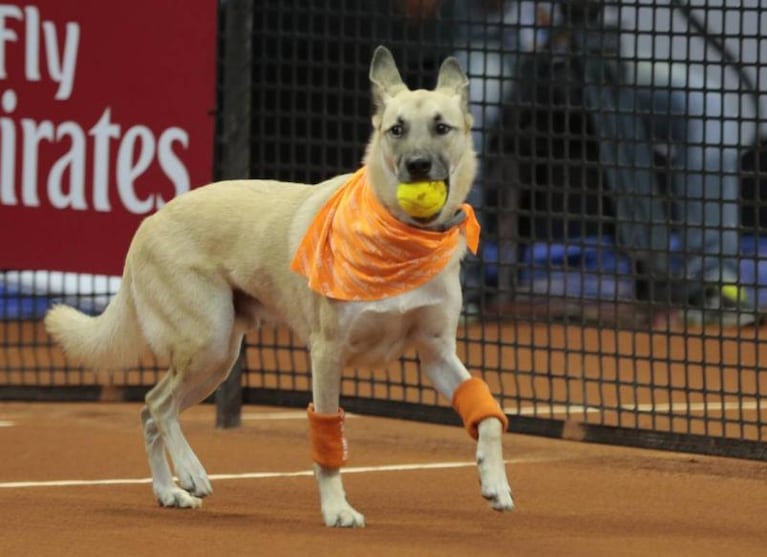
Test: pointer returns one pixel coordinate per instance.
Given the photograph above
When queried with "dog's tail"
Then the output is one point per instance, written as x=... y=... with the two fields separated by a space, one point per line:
x=111 y=340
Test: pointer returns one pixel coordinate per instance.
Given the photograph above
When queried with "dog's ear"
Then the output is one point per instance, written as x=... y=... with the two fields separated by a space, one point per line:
x=384 y=77
x=453 y=80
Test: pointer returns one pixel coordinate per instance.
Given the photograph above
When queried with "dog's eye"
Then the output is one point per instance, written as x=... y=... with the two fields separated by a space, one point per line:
x=397 y=130
x=442 y=129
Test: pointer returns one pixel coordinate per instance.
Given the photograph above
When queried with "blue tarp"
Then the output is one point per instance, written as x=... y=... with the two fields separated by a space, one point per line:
x=593 y=268
x=29 y=294
x=15 y=305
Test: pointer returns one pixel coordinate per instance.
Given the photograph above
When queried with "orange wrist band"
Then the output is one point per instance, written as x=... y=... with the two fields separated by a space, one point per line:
x=474 y=402
x=329 y=447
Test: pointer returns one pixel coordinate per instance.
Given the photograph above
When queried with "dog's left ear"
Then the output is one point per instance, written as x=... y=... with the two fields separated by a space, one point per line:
x=385 y=79
x=453 y=80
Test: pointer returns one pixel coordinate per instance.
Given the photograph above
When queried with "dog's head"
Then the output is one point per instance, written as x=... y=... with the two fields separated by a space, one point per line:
x=420 y=136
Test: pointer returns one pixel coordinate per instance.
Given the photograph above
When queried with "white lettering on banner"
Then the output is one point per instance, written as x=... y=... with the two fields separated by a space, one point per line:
x=32 y=44
x=75 y=161
x=137 y=149
x=52 y=53
x=6 y=34
x=128 y=171
x=170 y=163
x=102 y=132
x=33 y=133
x=7 y=151
x=61 y=65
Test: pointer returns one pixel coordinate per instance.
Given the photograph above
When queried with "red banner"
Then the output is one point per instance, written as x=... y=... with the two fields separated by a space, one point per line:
x=105 y=115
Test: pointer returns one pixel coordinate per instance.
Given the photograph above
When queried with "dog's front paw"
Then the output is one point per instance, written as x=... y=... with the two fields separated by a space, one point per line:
x=336 y=511
x=343 y=516
x=499 y=497
x=492 y=470
x=493 y=484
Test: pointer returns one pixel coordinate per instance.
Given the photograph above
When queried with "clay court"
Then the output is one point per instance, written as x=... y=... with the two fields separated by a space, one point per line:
x=73 y=481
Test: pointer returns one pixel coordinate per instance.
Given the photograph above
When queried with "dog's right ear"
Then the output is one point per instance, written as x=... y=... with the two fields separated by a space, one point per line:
x=385 y=79
x=453 y=79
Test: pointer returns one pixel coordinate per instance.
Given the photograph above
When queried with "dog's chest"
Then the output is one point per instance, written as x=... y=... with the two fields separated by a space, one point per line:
x=376 y=333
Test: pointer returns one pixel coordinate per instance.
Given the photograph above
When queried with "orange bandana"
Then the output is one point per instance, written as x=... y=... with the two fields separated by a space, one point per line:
x=355 y=249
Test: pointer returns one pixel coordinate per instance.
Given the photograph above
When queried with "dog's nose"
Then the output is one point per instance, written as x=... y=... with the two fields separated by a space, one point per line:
x=419 y=167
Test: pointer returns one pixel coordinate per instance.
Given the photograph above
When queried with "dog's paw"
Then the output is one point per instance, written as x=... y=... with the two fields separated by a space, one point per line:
x=492 y=470
x=179 y=498
x=195 y=484
x=499 y=497
x=343 y=516
x=493 y=484
x=191 y=475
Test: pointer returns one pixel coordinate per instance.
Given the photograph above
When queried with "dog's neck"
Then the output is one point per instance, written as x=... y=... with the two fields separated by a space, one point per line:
x=455 y=220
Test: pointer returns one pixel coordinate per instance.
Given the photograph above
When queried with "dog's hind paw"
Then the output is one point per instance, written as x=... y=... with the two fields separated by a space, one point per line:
x=197 y=486
x=344 y=517
x=179 y=498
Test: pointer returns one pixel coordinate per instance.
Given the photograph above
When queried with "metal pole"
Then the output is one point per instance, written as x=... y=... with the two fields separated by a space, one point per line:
x=233 y=149
x=229 y=396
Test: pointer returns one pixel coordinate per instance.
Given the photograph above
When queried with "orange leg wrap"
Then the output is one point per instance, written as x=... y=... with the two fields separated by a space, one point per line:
x=329 y=447
x=474 y=402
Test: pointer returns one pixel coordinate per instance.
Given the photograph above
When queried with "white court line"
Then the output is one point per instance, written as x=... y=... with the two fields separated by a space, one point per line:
x=6 y=423
x=270 y=475
x=673 y=408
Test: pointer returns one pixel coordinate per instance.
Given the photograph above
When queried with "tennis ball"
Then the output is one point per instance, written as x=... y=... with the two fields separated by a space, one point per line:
x=422 y=199
x=734 y=292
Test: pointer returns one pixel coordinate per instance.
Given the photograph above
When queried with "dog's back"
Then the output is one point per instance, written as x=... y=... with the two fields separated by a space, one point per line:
x=228 y=239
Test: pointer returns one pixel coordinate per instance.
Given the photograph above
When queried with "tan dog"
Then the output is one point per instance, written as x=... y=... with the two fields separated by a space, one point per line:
x=216 y=262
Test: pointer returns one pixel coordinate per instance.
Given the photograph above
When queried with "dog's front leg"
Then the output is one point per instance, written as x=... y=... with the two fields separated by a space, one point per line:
x=483 y=418
x=329 y=449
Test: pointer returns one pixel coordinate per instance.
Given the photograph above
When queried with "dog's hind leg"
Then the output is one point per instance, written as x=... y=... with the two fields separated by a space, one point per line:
x=190 y=472
x=168 y=494
x=326 y=384
x=190 y=323
x=450 y=377
x=184 y=386
x=165 y=490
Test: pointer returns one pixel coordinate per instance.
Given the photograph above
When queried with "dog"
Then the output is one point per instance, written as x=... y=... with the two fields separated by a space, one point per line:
x=219 y=260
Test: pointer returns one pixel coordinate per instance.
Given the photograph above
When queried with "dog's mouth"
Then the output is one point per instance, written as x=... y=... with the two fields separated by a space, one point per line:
x=427 y=222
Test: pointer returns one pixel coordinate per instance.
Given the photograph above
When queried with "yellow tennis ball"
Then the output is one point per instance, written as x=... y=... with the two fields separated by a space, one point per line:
x=422 y=199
